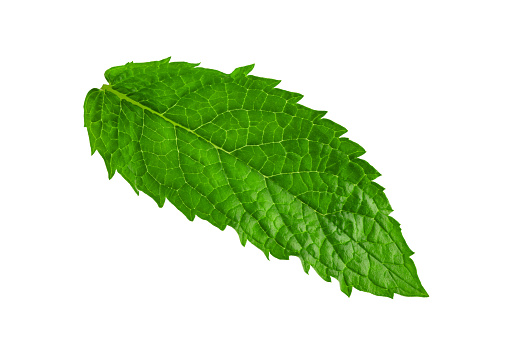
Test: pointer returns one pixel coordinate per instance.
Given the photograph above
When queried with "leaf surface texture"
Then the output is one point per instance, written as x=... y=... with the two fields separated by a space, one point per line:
x=234 y=150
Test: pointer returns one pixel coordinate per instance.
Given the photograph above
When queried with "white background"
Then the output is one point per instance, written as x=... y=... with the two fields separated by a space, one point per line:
x=423 y=86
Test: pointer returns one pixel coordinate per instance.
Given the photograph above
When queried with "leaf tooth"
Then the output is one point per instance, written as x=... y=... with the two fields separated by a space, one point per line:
x=319 y=114
x=370 y=171
x=242 y=237
x=242 y=71
x=296 y=98
x=109 y=165
x=165 y=60
x=305 y=265
x=161 y=201
x=267 y=253
x=321 y=270
x=343 y=286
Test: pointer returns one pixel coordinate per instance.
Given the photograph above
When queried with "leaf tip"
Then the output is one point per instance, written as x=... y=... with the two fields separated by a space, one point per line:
x=422 y=292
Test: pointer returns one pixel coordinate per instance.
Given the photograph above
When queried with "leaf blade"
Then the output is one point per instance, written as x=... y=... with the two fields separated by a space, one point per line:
x=234 y=150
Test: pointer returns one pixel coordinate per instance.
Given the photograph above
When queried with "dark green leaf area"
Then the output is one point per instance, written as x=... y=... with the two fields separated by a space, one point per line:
x=234 y=150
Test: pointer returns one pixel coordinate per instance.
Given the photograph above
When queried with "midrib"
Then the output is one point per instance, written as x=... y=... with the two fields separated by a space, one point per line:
x=123 y=96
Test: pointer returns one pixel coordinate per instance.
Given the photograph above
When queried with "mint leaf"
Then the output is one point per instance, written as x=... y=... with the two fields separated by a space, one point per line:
x=234 y=150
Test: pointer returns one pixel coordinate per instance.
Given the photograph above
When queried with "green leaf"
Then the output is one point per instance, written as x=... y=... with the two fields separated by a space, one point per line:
x=234 y=150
